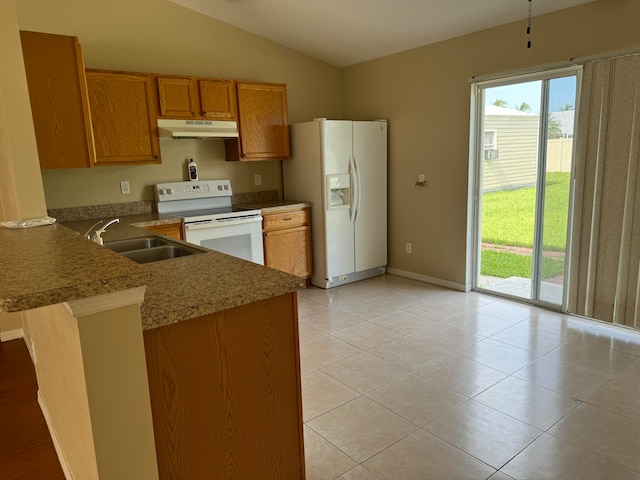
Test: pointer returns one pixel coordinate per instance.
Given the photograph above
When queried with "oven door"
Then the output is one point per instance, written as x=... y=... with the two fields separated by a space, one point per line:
x=239 y=238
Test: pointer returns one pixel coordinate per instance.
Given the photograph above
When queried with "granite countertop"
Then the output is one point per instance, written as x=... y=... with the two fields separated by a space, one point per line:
x=53 y=264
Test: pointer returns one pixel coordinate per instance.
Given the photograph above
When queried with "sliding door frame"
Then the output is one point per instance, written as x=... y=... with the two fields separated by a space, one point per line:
x=475 y=177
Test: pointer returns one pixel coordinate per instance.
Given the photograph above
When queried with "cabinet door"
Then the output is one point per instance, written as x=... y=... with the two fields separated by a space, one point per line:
x=59 y=103
x=289 y=250
x=178 y=97
x=123 y=116
x=263 y=123
x=218 y=99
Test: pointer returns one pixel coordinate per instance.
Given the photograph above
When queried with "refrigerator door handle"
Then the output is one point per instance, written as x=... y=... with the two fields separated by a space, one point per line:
x=356 y=191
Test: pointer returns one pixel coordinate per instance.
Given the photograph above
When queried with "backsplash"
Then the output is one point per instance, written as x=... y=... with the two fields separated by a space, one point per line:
x=251 y=198
x=77 y=187
x=74 y=214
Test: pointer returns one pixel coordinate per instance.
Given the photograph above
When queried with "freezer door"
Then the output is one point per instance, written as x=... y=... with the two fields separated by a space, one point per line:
x=337 y=147
x=370 y=158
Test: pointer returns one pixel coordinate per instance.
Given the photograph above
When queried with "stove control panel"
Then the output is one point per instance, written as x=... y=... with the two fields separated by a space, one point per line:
x=192 y=190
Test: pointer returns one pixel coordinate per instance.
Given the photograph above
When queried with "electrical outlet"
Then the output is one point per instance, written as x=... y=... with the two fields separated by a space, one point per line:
x=124 y=187
x=407 y=247
x=257 y=178
x=421 y=178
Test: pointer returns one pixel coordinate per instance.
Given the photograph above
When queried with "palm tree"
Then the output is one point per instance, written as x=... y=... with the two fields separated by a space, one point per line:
x=566 y=107
x=500 y=103
x=554 y=127
x=524 y=107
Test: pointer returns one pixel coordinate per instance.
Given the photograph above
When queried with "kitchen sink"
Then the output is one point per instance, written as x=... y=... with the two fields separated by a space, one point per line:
x=130 y=244
x=151 y=249
x=156 y=254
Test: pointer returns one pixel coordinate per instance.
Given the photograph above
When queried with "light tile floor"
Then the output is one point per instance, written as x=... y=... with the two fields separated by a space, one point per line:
x=404 y=380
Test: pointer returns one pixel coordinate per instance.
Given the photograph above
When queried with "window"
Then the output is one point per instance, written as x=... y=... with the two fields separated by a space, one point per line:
x=490 y=144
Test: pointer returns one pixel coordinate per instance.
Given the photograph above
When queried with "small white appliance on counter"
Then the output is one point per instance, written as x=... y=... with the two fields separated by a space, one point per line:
x=210 y=220
x=340 y=166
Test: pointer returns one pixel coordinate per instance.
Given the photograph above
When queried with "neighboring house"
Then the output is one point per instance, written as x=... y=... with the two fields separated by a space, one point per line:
x=510 y=148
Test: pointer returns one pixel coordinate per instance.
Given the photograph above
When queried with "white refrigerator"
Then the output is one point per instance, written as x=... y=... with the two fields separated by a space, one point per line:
x=340 y=167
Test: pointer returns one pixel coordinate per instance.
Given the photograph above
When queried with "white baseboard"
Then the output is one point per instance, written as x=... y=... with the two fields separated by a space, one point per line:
x=11 y=335
x=427 y=279
x=56 y=444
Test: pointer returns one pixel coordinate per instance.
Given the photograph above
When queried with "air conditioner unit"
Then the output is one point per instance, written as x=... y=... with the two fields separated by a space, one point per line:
x=490 y=153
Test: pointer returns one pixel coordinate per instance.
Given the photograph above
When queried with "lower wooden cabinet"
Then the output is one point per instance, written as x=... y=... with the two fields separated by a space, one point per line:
x=287 y=242
x=226 y=395
x=173 y=230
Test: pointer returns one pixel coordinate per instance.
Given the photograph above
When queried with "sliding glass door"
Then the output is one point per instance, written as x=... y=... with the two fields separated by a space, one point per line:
x=523 y=159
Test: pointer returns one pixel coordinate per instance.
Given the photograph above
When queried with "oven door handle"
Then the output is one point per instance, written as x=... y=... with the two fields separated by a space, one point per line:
x=214 y=224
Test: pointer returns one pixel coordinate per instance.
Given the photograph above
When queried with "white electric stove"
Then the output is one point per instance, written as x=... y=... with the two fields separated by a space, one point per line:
x=209 y=218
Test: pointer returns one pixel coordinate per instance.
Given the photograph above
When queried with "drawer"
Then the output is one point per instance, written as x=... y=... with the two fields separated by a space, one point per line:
x=293 y=218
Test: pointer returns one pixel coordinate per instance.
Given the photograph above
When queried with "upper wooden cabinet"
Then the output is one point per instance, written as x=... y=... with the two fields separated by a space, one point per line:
x=262 y=122
x=190 y=97
x=123 y=115
x=59 y=103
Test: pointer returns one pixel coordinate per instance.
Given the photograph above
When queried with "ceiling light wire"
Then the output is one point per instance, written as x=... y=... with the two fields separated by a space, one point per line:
x=529 y=26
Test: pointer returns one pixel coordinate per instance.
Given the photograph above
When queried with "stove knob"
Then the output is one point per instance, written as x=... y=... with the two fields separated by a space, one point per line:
x=161 y=191
x=169 y=191
x=219 y=187
x=226 y=187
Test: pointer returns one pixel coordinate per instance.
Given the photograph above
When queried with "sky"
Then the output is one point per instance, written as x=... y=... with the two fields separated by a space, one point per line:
x=562 y=91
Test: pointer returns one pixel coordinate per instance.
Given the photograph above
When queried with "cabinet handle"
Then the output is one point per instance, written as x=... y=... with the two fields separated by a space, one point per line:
x=266 y=234
x=286 y=219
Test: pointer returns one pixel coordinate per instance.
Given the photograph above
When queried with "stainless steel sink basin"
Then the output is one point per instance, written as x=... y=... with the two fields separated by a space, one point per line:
x=151 y=249
x=157 y=254
x=130 y=244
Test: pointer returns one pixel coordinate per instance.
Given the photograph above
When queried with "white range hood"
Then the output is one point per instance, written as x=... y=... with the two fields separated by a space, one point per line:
x=197 y=128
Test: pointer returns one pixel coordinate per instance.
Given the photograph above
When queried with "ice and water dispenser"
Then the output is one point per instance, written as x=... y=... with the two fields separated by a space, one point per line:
x=338 y=191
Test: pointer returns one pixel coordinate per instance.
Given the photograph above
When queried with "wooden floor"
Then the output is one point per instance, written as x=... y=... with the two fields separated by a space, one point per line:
x=26 y=449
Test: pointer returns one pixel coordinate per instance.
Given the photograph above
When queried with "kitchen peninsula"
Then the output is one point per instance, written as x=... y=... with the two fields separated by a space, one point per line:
x=186 y=368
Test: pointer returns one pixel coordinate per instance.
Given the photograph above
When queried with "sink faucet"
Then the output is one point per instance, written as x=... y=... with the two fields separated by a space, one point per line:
x=96 y=235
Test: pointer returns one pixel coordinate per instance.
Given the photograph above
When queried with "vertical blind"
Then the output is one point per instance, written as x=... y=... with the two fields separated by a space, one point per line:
x=606 y=228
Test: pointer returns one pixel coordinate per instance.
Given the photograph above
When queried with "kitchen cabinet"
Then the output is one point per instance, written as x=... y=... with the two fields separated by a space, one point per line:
x=287 y=241
x=173 y=230
x=123 y=116
x=225 y=393
x=59 y=102
x=262 y=123
x=191 y=97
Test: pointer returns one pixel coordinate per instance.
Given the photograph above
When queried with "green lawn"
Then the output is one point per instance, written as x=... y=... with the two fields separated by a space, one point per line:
x=508 y=219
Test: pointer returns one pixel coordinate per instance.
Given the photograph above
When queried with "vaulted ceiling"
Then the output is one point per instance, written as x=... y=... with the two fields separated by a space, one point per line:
x=346 y=32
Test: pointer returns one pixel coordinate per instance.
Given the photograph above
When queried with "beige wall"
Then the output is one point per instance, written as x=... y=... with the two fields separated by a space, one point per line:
x=159 y=36
x=92 y=383
x=21 y=194
x=425 y=94
x=20 y=183
x=61 y=385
